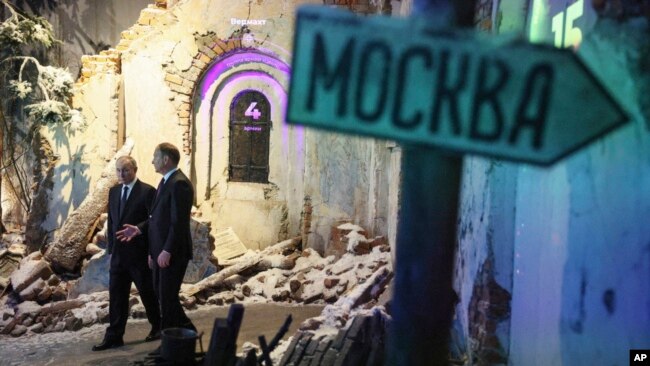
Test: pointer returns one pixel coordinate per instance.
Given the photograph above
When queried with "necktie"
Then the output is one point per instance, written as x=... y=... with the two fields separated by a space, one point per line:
x=125 y=194
x=160 y=185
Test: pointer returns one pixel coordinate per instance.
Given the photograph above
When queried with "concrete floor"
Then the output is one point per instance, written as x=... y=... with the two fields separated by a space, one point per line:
x=74 y=348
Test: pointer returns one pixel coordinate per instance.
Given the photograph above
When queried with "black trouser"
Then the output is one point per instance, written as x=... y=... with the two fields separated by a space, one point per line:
x=119 y=289
x=167 y=283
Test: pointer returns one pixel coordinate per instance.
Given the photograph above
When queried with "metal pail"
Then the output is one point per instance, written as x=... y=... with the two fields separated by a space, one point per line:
x=178 y=344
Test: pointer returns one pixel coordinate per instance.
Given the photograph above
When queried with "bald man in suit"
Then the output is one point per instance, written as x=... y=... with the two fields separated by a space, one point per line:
x=128 y=202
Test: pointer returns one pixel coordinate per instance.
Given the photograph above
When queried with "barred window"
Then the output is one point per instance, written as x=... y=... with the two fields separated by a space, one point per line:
x=250 y=126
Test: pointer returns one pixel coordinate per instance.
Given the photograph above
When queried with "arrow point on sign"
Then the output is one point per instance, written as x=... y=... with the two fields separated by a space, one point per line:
x=585 y=111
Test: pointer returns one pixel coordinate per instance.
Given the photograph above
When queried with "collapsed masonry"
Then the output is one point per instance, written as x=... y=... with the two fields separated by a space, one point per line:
x=350 y=281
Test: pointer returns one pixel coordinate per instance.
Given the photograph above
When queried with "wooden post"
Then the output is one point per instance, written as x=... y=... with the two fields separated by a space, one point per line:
x=423 y=299
x=218 y=354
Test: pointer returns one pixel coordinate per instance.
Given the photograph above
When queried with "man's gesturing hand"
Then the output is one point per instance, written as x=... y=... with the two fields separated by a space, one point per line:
x=127 y=233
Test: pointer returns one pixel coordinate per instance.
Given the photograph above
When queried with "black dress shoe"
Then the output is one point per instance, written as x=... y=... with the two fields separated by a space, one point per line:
x=106 y=344
x=152 y=336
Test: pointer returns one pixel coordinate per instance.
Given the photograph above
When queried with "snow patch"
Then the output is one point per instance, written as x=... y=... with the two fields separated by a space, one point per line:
x=353 y=240
x=350 y=226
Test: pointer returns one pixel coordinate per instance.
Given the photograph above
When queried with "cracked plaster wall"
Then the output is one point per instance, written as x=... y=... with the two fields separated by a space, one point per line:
x=172 y=48
x=582 y=247
x=349 y=179
x=302 y=162
x=570 y=242
x=156 y=67
x=83 y=155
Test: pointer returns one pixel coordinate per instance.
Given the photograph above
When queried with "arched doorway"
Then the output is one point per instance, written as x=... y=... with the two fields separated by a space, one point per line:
x=246 y=160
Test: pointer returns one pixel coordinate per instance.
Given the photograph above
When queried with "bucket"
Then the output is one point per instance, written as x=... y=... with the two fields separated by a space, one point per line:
x=178 y=344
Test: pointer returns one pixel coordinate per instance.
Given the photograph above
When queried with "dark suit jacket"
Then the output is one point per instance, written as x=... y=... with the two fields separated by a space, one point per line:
x=168 y=226
x=135 y=211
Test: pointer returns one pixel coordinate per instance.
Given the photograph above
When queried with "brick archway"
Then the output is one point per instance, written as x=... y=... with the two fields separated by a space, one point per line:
x=183 y=83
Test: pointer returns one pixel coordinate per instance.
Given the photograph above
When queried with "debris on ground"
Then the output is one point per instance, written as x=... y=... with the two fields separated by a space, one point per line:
x=37 y=300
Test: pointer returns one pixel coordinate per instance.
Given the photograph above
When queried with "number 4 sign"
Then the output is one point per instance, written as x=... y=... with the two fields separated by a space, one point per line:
x=251 y=111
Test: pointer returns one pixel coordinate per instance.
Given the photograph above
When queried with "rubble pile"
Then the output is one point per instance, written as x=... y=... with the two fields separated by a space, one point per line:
x=361 y=342
x=12 y=250
x=34 y=280
x=38 y=301
x=56 y=316
x=351 y=331
x=311 y=279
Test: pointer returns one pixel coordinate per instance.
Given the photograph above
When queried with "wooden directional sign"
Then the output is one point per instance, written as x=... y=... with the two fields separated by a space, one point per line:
x=404 y=80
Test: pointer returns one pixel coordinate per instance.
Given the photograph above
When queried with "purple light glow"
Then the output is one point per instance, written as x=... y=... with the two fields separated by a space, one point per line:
x=234 y=60
x=215 y=88
x=232 y=85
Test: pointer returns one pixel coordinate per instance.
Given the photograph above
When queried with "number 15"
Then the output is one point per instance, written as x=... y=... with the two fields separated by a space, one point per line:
x=566 y=34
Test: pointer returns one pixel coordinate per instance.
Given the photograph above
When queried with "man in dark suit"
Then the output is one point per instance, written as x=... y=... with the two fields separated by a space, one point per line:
x=128 y=202
x=170 y=241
